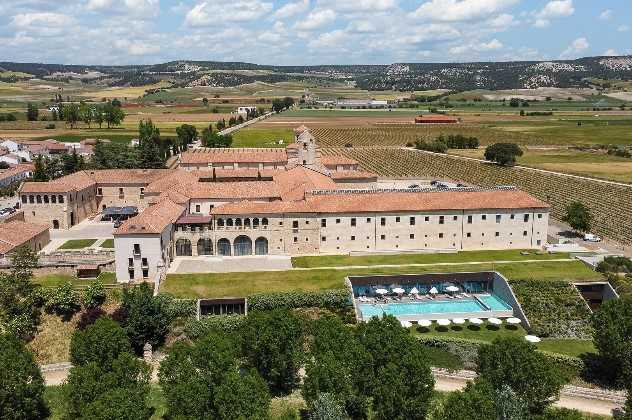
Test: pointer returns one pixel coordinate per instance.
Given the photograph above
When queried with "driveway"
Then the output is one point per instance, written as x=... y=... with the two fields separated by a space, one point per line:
x=217 y=264
x=558 y=230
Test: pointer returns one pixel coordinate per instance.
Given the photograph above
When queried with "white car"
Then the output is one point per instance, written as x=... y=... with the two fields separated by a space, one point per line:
x=589 y=237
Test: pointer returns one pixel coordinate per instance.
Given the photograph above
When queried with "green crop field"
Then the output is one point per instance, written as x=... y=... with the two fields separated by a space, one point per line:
x=262 y=137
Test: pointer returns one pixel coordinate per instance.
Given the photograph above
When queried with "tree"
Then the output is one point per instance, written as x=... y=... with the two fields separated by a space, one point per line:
x=288 y=102
x=278 y=105
x=148 y=145
x=615 y=264
x=503 y=153
x=612 y=335
x=272 y=342
x=214 y=139
x=327 y=407
x=205 y=101
x=242 y=396
x=72 y=115
x=475 y=402
x=112 y=115
x=146 y=317
x=187 y=134
x=32 y=112
x=578 y=216
x=514 y=102
x=64 y=300
x=101 y=343
x=86 y=113
x=21 y=383
x=514 y=362
x=72 y=162
x=39 y=172
x=94 y=295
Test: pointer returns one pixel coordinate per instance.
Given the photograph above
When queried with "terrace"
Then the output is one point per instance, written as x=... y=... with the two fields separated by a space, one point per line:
x=434 y=297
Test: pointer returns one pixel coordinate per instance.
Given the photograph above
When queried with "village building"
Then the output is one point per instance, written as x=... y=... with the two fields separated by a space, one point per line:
x=17 y=173
x=15 y=234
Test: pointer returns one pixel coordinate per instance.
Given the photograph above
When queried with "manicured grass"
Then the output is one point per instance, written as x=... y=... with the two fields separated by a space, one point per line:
x=53 y=280
x=77 y=243
x=108 y=243
x=262 y=137
x=441 y=358
x=209 y=285
x=569 y=347
x=460 y=257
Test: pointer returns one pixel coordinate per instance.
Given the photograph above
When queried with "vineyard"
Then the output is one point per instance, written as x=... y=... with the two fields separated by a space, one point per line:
x=401 y=135
x=610 y=204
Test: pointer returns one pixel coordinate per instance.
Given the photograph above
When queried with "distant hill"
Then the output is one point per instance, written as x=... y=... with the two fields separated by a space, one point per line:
x=399 y=76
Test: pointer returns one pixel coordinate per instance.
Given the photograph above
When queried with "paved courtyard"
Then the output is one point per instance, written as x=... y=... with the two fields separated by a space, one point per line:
x=87 y=229
x=217 y=264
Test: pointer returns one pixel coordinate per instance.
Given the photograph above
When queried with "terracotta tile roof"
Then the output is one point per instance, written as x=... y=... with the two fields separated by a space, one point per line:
x=153 y=220
x=236 y=173
x=379 y=201
x=16 y=233
x=45 y=187
x=129 y=176
x=234 y=190
x=177 y=178
x=241 y=155
x=340 y=175
x=192 y=219
x=294 y=182
x=332 y=160
x=18 y=169
x=78 y=181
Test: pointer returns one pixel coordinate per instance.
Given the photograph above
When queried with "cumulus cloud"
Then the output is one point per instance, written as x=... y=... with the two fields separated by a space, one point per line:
x=136 y=48
x=139 y=8
x=606 y=15
x=460 y=10
x=578 y=46
x=216 y=11
x=623 y=28
x=358 y=5
x=291 y=9
x=610 y=52
x=333 y=39
x=316 y=19
x=553 y=9
x=45 y=19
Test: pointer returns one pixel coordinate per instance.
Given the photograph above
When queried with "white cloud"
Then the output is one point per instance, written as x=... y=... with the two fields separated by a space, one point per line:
x=136 y=48
x=492 y=45
x=576 y=47
x=358 y=5
x=140 y=8
x=606 y=15
x=291 y=9
x=45 y=19
x=610 y=52
x=460 y=10
x=95 y=5
x=541 y=23
x=623 y=28
x=468 y=48
x=361 y=26
x=556 y=8
x=331 y=39
x=216 y=11
x=316 y=19
x=502 y=21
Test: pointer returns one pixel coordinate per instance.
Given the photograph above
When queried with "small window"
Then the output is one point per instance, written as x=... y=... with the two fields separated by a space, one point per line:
x=512 y=217
x=46 y=199
x=53 y=199
x=197 y=208
x=455 y=218
x=498 y=218
x=337 y=221
x=368 y=220
x=484 y=217
x=145 y=273
x=295 y=239
x=412 y=221
x=323 y=222
x=469 y=234
x=427 y=219
x=295 y=224
x=412 y=236
x=136 y=249
x=39 y=199
x=142 y=191
x=131 y=274
x=441 y=220
x=353 y=238
x=539 y=215
x=383 y=237
x=539 y=242
x=31 y=199
x=497 y=234
x=324 y=239
x=144 y=262
x=469 y=219
x=397 y=219
x=383 y=221
x=99 y=191
x=353 y=221
x=526 y=217
x=60 y=199
x=441 y=235
x=120 y=191
x=130 y=262
x=525 y=233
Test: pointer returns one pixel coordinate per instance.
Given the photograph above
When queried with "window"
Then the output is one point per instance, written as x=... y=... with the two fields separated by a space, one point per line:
x=337 y=221
x=142 y=191
x=441 y=235
x=539 y=215
x=353 y=238
x=484 y=217
x=53 y=199
x=130 y=262
x=323 y=222
x=455 y=218
x=412 y=221
x=525 y=233
x=145 y=273
x=197 y=208
x=441 y=220
x=144 y=262
x=99 y=191
x=497 y=234
x=383 y=237
x=46 y=199
x=24 y=199
x=383 y=221
x=412 y=236
x=368 y=220
x=295 y=224
x=397 y=219
x=469 y=234
x=60 y=199
x=353 y=221
x=512 y=217
x=469 y=219
x=324 y=239
x=120 y=191
x=498 y=218
x=136 y=249
x=131 y=274
x=539 y=242
x=39 y=199
x=526 y=217
x=427 y=219
x=295 y=239
x=31 y=199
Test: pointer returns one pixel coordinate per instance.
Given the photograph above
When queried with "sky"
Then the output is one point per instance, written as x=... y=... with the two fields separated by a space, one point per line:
x=309 y=32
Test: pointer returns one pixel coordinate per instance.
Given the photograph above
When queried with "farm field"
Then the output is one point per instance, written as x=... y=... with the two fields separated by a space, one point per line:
x=606 y=201
x=262 y=137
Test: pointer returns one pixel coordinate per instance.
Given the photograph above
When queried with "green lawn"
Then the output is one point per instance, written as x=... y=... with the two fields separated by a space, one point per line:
x=262 y=137
x=77 y=243
x=53 y=280
x=210 y=285
x=567 y=346
x=108 y=243
x=460 y=257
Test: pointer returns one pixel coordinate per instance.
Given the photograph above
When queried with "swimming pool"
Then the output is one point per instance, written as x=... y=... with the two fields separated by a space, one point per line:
x=456 y=307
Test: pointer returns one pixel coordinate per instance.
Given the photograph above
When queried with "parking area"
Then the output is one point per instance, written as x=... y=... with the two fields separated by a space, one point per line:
x=217 y=264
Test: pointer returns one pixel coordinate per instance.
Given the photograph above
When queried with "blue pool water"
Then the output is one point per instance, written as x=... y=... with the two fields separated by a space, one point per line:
x=456 y=306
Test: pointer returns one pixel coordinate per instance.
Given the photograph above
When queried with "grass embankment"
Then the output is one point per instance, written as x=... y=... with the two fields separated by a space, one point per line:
x=262 y=137
x=108 y=243
x=209 y=285
x=77 y=244
x=53 y=280
x=397 y=259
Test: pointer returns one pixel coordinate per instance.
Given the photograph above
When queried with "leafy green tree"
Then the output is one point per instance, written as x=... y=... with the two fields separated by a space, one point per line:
x=578 y=216
x=503 y=153
x=327 y=407
x=514 y=362
x=278 y=105
x=475 y=402
x=116 y=103
x=39 y=172
x=114 y=155
x=187 y=134
x=64 y=300
x=72 y=162
x=242 y=396
x=288 y=102
x=148 y=147
x=99 y=115
x=205 y=101
x=72 y=115
x=21 y=382
x=86 y=113
x=214 y=139
x=272 y=342
x=101 y=343
x=94 y=295
x=615 y=264
x=612 y=335
x=146 y=317
x=112 y=115
x=31 y=112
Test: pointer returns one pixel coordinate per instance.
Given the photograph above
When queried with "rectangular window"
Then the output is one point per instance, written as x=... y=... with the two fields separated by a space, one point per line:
x=120 y=191
x=383 y=237
x=24 y=199
x=295 y=224
x=353 y=221
x=469 y=234
x=539 y=215
x=142 y=191
x=441 y=220
x=427 y=219
x=539 y=242
x=131 y=274
x=353 y=238
x=383 y=221
x=441 y=235
x=368 y=220
x=397 y=219
x=145 y=273
x=498 y=218
x=337 y=221
x=324 y=239
x=412 y=236
x=61 y=199
x=197 y=208
x=130 y=262
x=323 y=222
x=497 y=234
x=53 y=199
x=99 y=191
x=525 y=233
x=295 y=239
x=526 y=217
x=412 y=221
x=144 y=262
x=484 y=217
x=136 y=249
x=512 y=217
x=469 y=220
x=455 y=218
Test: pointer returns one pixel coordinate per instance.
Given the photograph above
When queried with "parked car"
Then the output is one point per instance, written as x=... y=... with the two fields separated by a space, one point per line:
x=589 y=237
x=414 y=186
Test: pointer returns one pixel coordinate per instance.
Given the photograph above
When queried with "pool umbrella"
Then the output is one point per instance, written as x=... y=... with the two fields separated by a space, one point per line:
x=494 y=321
x=513 y=321
x=399 y=290
x=476 y=321
x=414 y=291
x=433 y=291
x=406 y=324
x=458 y=321
x=452 y=289
x=443 y=322
x=532 y=338
x=381 y=291
x=425 y=323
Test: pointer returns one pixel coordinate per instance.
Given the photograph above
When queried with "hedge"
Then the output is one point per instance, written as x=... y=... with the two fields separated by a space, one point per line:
x=335 y=300
x=226 y=323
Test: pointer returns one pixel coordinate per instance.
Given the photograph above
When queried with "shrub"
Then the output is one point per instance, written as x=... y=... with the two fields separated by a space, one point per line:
x=613 y=338
x=337 y=299
x=180 y=308
x=615 y=264
x=503 y=153
x=465 y=350
x=94 y=295
x=64 y=300
x=100 y=343
x=218 y=323
x=326 y=407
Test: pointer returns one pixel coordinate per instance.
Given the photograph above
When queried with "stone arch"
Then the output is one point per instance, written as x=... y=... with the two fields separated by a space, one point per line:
x=242 y=246
x=223 y=247
x=205 y=246
x=261 y=246
x=183 y=248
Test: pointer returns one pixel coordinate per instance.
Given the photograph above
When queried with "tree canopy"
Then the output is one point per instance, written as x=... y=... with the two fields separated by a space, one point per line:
x=102 y=343
x=503 y=153
x=612 y=335
x=578 y=216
